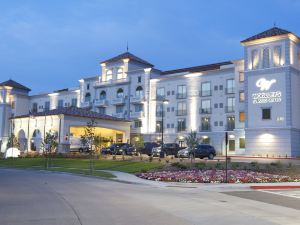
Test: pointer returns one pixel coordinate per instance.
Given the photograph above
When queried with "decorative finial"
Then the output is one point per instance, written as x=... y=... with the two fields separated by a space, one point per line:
x=274 y=24
x=127 y=47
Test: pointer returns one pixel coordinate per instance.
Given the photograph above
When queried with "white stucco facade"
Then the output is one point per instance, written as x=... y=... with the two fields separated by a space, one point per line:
x=254 y=99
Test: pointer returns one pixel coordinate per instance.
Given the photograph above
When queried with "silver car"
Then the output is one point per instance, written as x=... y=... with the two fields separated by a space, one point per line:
x=184 y=153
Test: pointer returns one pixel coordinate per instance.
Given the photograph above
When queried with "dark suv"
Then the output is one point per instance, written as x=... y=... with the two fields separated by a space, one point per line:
x=168 y=149
x=148 y=146
x=202 y=151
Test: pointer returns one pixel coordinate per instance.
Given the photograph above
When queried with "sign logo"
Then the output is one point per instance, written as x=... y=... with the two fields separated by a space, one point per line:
x=264 y=84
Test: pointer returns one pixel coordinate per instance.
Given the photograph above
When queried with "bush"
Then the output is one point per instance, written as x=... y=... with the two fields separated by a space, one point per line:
x=254 y=165
x=235 y=165
x=276 y=164
x=150 y=158
x=200 y=165
x=179 y=165
x=219 y=165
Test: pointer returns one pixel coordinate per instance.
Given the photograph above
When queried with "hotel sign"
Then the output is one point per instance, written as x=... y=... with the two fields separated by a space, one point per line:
x=266 y=96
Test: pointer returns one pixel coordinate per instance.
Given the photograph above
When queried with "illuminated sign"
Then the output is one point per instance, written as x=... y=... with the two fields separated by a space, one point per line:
x=266 y=97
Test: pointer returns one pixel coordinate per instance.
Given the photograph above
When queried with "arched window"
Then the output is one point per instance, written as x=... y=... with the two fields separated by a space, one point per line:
x=120 y=73
x=103 y=95
x=87 y=97
x=266 y=58
x=139 y=91
x=108 y=75
x=120 y=93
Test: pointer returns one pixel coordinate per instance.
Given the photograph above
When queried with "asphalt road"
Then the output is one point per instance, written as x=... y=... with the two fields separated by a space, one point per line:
x=41 y=198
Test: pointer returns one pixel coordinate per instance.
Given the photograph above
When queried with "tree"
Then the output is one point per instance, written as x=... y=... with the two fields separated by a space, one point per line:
x=13 y=142
x=88 y=138
x=139 y=142
x=192 y=140
x=49 y=145
x=97 y=144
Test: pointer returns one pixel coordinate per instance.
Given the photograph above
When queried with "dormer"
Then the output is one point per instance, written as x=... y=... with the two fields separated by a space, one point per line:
x=272 y=48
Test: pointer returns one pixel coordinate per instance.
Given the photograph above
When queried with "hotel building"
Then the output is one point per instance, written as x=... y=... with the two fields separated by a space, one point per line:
x=254 y=99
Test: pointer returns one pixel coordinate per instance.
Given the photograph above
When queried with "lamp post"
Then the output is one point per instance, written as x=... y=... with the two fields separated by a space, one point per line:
x=164 y=102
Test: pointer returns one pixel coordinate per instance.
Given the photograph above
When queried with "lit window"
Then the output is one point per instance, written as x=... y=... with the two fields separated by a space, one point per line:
x=242 y=142
x=254 y=59
x=120 y=93
x=241 y=76
x=242 y=116
x=139 y=91
x=242 y=96
x=266 y=58
x=277 y=56
x=108 y=75
x=120 y=74
x=266 y=113
x=103 y=95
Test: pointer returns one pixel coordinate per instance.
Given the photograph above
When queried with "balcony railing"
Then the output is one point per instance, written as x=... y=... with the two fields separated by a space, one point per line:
x=181 y=112
x=160 y=97
x=101 y=102
x=86 y=104
x=119 y=115
x=205 y=110
x=205 y=127
x=137 y=99
x=204 y=93
x=118 y=101
x=111 y=81
x=136 y=114
x=181 y=95
x=159 y=113
x=230 y=90
x=181 y=129
x=229 y=109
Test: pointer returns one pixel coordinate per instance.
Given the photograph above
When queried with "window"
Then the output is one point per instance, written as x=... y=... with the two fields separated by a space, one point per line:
x=230 y=86
x=220 y=87
x=205 y=89
x=168 y=125
x=102 y=95
x=34 y=107
x=102 y=110
x=266 y=58
x=120 y=93
x=13 y=104
x=173 y=92
x=87 y=97
x=47 y=106
x=173 y=109
x=172 y=125
x=205 y=124
x=242 y=142
x=242 y=116
x=138 y=108
x=159 y=111
x=168 y=93
x=205 y=106
x=181 y=109
x=168 y=109
x=181 y=91
x=119 y=108
x=230 y=123
x=221 y=105
x=74 y=102
x=137 y=124
x=60 y=104
x=88 y=87
x=181 y=125
x=266 y=113
x=242 y=96
x=241 y=76
x=160 y=93
x=108 y=75
x=120 y=74
x=216 y=87
x=216 y=123
x=254 y=59
x=221 y=123
x=277 y=56
x=230 y=104
x=139 y=79
x=158 y=126
x=139 y=91
x=216 y=105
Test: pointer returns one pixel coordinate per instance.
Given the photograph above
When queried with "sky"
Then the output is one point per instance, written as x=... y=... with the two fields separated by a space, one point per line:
x=50 y=45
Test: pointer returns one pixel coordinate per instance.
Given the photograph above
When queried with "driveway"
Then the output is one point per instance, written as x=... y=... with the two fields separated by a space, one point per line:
x=41 y=198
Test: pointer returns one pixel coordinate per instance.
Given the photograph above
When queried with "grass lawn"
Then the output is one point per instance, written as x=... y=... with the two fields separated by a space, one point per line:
x=81 y=166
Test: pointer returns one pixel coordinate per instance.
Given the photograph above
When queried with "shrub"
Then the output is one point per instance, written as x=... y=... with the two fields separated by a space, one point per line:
x=150 y=158
x=276 y=164
x=200 y=165
x=114 y=157
x=235 y=165
x=179 y=165
x=219 y=165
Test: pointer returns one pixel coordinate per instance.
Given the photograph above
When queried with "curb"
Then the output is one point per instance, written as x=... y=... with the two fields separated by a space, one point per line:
x=275 y=187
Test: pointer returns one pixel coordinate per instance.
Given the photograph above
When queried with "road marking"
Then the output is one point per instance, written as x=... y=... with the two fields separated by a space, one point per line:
x=291 y=195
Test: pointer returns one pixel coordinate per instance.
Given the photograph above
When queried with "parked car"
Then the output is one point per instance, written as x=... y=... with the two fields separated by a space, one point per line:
x=114 y=149
x=168 y=149
x=83 y=149
x=202 y=151
x=184 y=153
x=129 y=149
x=148 y=146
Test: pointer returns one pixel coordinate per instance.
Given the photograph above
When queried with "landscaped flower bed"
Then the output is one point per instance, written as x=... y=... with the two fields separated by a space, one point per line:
x=216 y=176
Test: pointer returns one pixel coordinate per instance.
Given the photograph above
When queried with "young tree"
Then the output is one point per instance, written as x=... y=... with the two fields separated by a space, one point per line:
x=139 y=142
x=13 y=142
x=49 y=145
x=88 y=138
x=192 y=141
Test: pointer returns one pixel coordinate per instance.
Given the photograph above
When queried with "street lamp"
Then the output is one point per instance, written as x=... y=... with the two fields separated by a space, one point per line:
x=164 y=102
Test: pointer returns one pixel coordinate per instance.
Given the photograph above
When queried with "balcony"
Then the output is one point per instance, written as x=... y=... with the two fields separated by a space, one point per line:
x=118 y=101
x=230 y=90
x=119 y=115
x=137 y=99
x=101 y=103
x=86 y=104
x=205 y=128
x=111 y=82
x=205 y=110
x=181 y=95
x=136 y=114
x=229 y=109
x=181 y=129
x=181 y=112
x=204 y=93
x=159 y=113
